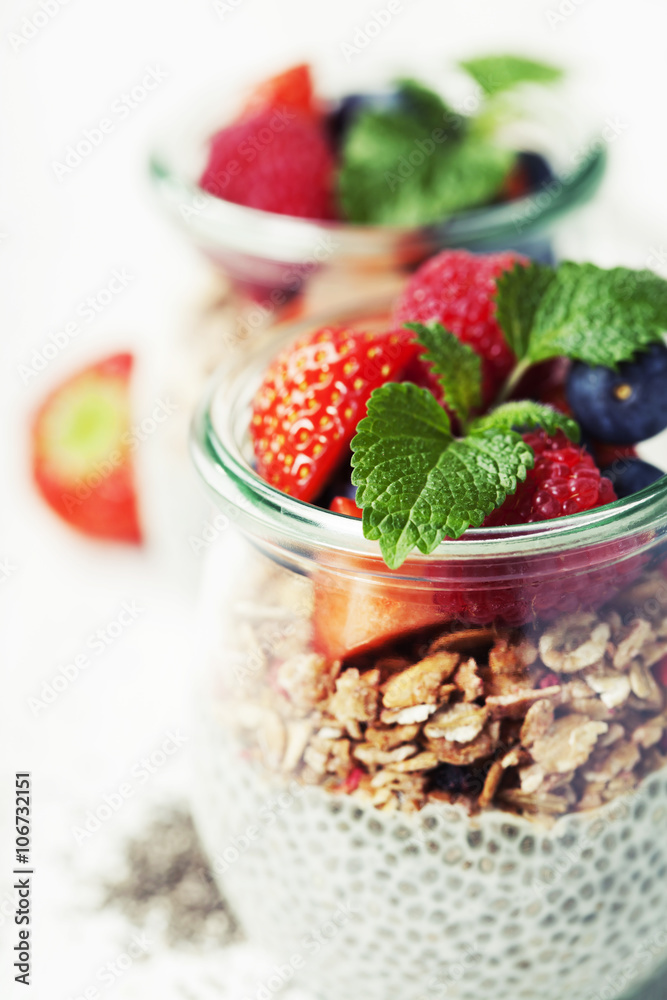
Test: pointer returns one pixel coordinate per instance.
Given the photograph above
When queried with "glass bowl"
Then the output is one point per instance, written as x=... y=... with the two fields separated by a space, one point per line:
x=443 y=780
x=271 y=258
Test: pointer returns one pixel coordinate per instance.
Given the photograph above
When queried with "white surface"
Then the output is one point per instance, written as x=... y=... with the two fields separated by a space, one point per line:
x=60 y=240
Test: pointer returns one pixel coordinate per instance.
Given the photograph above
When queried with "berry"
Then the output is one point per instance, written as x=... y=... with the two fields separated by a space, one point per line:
x=311 y=399
x=630 y=475
x=292 y=89
x=81 y=455
x=564 y=480
x=275 y=161
x=456 y=289
x=350 y=107
x=621 y=406
x=345 y=505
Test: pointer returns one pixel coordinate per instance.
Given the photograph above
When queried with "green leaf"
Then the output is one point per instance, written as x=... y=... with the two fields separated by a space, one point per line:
x=457 y=366
x=498 y=73
x=597 y=316
x=416 y=483
x=519 y=292
x=416 y=164
x=525 y=414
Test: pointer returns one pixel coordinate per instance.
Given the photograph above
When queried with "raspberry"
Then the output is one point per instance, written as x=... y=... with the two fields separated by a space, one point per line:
x=456 y=288
x=564 y=480
x=277 y=161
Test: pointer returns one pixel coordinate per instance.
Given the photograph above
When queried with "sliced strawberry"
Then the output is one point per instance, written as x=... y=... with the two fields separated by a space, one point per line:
x=345 y=505
x=291 y=89
x=360 y=611
x=81 y=456
x=307 y=408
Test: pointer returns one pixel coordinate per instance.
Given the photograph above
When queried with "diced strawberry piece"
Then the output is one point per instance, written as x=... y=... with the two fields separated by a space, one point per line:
x=345 y=505
x=351 y=783
x=291 y=89
x=81 y=457
x=358 y=611
x=307 y=408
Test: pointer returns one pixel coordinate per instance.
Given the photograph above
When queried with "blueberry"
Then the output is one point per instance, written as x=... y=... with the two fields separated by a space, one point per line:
x=630 y=475
x=624 y=406
x=349 y=108
x=455 y=779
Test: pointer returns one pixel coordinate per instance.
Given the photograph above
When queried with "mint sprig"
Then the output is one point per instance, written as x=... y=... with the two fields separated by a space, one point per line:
x=458 y=367
x=417 y=483
x=579 y=311
x=496 y=74
x=526 y=414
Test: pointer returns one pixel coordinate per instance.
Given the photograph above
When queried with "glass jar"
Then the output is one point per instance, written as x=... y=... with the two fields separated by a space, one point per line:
x=445 y=780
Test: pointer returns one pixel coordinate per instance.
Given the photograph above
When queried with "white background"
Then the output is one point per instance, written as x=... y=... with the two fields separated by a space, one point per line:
x=60 y=241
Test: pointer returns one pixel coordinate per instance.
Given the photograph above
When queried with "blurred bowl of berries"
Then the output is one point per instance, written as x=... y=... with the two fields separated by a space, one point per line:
x=282 y=183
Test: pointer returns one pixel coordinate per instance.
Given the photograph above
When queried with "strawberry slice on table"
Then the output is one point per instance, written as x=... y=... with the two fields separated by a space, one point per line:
x=307 y=408
x=291 y=89
x=81 y=452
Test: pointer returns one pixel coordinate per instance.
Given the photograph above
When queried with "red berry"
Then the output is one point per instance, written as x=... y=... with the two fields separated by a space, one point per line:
x=345 y=505
x=307 y=408
x=456 y=288
x=564 y=480
x=277 y=161
x=291 y=89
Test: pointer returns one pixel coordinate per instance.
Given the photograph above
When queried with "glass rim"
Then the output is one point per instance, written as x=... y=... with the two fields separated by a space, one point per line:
x=220 y=428
x=225 y=226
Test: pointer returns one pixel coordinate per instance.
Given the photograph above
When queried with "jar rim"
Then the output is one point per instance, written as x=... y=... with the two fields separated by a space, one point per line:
x=220 y=451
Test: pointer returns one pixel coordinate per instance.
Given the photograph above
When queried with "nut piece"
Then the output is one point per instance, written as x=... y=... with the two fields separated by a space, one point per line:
x=370 y=755
x=457 y=723
x=517 y=704
x=356 y=696
x=469 y=681
x=420 y=684
x=613 y=688
x=568 y=744
x=630 y=647
x=387 y=739
x=461 y=754
x=606 y=765
x=574 y=642
x=644 y=686
x=306 y=678
x=537 y=723
x=406 y=716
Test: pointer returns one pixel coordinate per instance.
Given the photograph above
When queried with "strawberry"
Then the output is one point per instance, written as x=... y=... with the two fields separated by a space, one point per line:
x=456 y=289
x=358 y=610
x=291 y=89
x=311 y=399
x=277 y=161
x=81 y=457
x=345 y=505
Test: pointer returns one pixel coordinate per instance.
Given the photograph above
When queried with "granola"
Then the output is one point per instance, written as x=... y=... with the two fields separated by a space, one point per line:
x=539 y=723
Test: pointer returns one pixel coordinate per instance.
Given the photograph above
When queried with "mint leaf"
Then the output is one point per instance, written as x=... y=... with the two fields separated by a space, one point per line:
x=525 y=414
x=416 y=163
x=457 y=366
x=519 y=292
x=498 y=73
x=597 y=316
x=416 y=483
